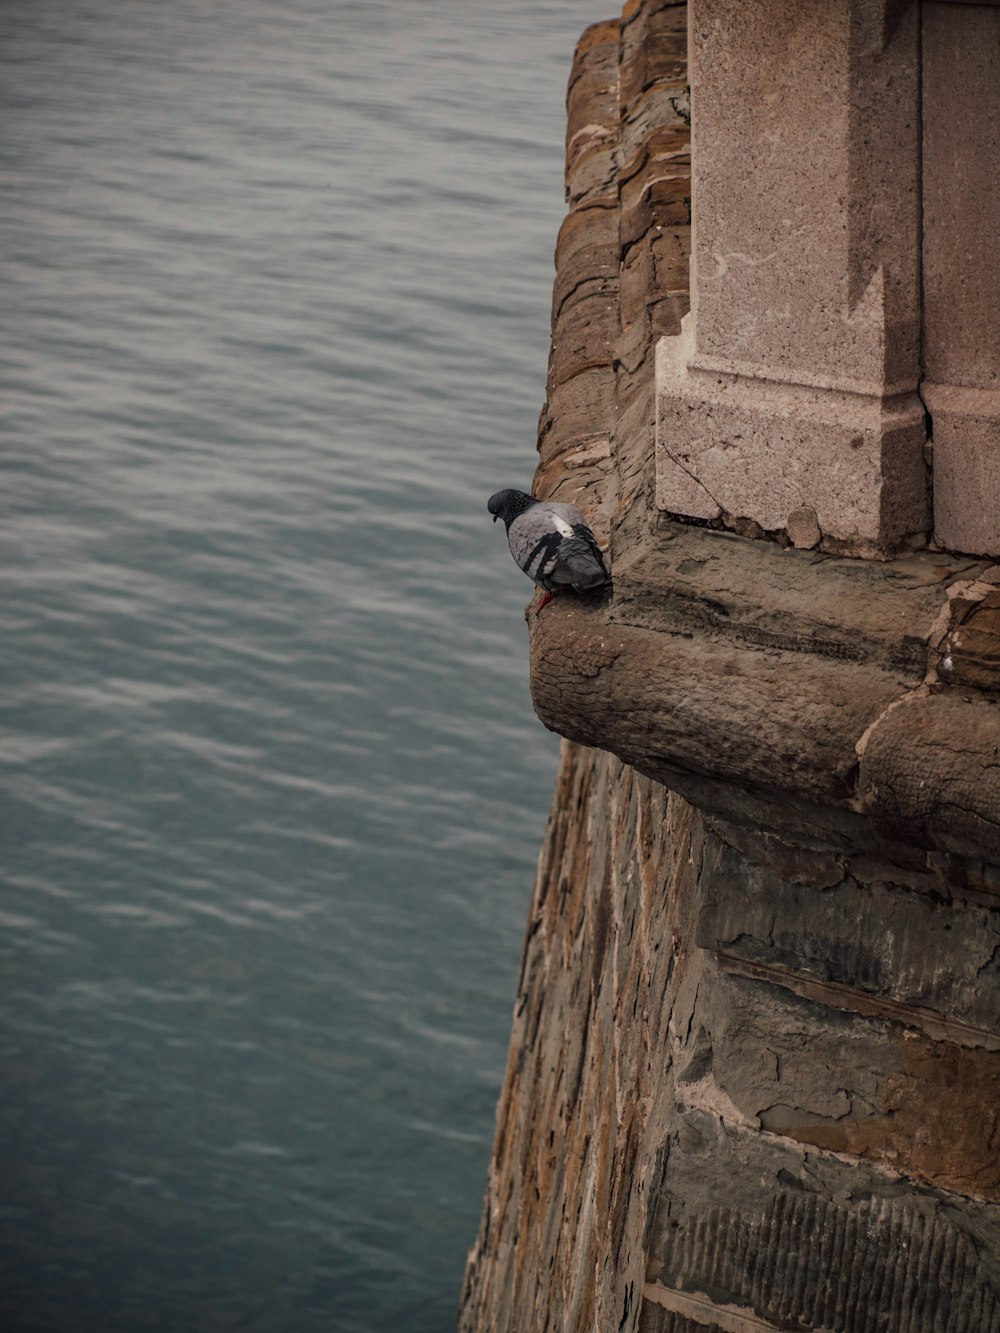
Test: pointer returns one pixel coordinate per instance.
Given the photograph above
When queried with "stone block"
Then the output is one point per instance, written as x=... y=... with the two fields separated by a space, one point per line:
x=868 y=946
x=774 y=1253
x=794 y=383
x=759 y=449
x=803 y=528
x=961 y=194
x=961 y=254
x=966 y=467
x=806 y=199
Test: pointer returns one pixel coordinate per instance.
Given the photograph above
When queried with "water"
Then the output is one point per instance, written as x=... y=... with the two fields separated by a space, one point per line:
x=275 y=303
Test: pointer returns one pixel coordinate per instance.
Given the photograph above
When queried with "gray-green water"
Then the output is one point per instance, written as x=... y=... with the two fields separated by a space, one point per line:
x=275 y=311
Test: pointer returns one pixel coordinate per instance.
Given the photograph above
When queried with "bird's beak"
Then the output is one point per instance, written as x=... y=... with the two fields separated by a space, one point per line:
x=495 y=517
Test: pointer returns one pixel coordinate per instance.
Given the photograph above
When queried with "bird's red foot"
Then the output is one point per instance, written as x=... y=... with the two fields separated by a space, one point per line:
x=545 y=601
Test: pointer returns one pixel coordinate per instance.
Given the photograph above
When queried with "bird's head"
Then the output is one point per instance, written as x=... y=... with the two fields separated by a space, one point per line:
x=507 y=504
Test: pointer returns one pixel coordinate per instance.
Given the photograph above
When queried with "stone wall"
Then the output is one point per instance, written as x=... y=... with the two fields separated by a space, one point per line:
x=754 y=1075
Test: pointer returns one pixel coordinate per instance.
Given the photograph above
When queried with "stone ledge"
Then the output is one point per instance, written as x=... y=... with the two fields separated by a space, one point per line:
x=816 y=677
x=765 y=685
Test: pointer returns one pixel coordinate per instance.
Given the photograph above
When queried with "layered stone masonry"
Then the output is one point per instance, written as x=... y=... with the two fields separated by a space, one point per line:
x=961 y=268
x=755 y=1067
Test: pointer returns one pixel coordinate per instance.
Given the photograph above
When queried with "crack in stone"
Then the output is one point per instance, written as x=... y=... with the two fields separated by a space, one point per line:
x=920 y=691
x=697 y=480
x=702 y=1310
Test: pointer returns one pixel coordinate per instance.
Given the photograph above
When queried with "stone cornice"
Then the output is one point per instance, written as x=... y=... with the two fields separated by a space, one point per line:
x=759 y=682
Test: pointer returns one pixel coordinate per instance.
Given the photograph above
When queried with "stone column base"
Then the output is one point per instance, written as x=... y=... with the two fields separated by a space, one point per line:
x=761 y=449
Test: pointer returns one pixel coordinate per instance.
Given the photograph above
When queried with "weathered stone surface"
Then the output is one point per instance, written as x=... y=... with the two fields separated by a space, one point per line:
x=681 y=1140
x=592 y=113
x=807 y=252
x=802 y=526
x=575 y=1160
x=586 y=259
x=785 y=720
x=755 y=1066
x=761 y=449
x=799 y=667
x=961 y=202
x=653 y=51
x=876 y=946
x=833 y=1247
x=930 y=773
x=795 y=381
x=849 y=1084
x=969 y=653
x=966 y=466
x=961 y=258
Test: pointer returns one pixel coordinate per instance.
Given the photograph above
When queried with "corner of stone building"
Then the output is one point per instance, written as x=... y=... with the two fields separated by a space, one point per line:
x=755 y=1065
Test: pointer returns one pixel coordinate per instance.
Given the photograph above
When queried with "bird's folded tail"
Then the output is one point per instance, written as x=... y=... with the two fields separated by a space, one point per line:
x=582 y=556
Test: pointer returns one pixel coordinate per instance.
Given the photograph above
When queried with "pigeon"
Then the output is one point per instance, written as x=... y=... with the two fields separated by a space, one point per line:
x=552 y=543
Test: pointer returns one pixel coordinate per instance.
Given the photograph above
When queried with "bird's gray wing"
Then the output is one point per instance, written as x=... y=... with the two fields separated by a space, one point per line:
x=555 y=550
x=580 y=559
x=534 y=538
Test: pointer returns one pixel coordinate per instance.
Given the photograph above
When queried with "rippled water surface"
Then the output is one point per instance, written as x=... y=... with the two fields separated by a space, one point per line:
x=275 y=319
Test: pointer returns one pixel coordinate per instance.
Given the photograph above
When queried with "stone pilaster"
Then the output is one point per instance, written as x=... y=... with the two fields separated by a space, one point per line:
x=961 y=199
x=794 y=383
